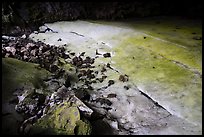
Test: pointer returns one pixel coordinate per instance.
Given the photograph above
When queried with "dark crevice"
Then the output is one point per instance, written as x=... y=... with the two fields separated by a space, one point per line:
x=77 y=33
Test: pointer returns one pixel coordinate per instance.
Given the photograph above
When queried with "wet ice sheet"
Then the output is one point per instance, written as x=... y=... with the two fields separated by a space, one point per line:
x=163 y=85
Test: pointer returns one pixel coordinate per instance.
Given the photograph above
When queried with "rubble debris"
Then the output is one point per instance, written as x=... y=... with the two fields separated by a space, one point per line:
x=106 y=55
x=123 y=78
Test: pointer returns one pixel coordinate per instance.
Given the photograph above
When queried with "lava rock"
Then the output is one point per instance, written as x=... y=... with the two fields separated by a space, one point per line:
x=103 y=69
x=123 y=78
x=111 y=95
x=126 y=87
x=68 y=82
x=89 y=60
x=104 y=101
x=100 y=79
x=72 y=53
x=111 y=82
x=106 y=55
x=82 y=54
x=53 y=68
x=12 y=50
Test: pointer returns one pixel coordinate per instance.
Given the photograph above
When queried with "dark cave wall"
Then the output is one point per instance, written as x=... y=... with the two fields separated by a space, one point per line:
x=19 y=17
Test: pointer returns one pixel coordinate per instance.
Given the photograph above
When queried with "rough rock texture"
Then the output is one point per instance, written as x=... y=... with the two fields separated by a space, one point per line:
x=62 y=121
x=17 y=76
x=19 y=17
x=30 y=98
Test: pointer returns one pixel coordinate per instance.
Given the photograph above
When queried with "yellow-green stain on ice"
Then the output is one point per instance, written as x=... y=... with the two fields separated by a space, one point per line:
x=149 y=64
x=171 y=51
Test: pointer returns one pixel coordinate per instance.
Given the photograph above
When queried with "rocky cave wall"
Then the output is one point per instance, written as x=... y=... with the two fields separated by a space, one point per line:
x=18 y=17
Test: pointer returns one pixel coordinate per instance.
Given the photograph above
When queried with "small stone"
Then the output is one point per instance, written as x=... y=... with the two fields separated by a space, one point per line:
x=111 y=95
x=123 y=78
x=23 y=36
x=59 y=39
x=25 y=57
x=94 y=81
x=65 y=56
x=96 y=72
x=72 y=53
x=82 y=54
x=89 y=60
x=104 y=77
x=53 y=68
x=126 y=87
x=36 y=32
x=104 y=101
x=103 y=69
x=29 y=45
x=91 y=76
x=111 y=82
x=33 y=52
x=11 y=49
x=99 y=79
x=23 y=49
x=106 y=55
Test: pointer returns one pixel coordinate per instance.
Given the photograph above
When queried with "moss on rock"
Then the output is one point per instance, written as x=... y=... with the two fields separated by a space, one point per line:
x=63 y=120
x=16 y=73
x=82 y=128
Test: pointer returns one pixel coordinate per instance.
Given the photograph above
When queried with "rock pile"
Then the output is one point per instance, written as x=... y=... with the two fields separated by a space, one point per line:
x=71 y=80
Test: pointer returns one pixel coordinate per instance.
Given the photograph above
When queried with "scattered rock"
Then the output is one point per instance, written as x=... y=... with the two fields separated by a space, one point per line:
x=111 y=95
x=123 y=78
x=61 y=121
x=72 y=53
x=106 y=55
x=104 y=77
x=80 y=105
x=103 y=69
x=12 y=50
x=126 y=87
x=100 y=79
x=82 y=94
x=82 y=54
x=104 y=101
x=88 y=60
x=111 y=82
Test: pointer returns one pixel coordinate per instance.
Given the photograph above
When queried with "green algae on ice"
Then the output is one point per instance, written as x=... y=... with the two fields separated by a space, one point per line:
x=149 y=63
